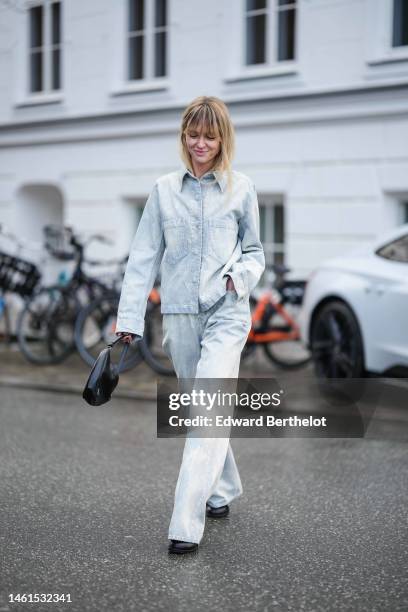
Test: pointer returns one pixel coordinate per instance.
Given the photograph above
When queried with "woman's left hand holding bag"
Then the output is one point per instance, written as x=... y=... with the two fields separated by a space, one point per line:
x=127 y=336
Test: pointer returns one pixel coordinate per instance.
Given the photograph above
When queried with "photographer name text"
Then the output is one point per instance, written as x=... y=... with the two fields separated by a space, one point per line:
x=261 y=420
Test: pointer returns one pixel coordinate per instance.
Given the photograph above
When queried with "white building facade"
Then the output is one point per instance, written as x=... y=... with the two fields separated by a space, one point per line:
x=92 y=91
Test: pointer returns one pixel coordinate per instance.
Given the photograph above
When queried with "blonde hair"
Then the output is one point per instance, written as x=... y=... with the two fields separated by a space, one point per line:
x=212 y=113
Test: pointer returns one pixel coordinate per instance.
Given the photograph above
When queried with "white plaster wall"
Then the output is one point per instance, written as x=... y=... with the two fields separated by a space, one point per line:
x=330 y=138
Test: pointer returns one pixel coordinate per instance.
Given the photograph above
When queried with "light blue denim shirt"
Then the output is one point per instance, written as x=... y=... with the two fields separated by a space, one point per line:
x=196 y=233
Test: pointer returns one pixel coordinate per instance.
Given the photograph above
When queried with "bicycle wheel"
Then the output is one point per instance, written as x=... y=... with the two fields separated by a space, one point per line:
x=152 y=349
x=286 y=354
x=95 y=328
x=5 y=320
x=45 y=326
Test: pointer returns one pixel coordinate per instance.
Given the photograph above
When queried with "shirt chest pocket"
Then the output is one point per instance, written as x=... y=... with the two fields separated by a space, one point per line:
x=176 y=234
x=222 y=238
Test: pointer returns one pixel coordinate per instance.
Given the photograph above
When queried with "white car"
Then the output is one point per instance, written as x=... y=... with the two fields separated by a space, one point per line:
x=354 y=317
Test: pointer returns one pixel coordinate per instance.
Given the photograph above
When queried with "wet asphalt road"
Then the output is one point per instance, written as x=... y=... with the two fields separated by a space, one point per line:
x=86 y=498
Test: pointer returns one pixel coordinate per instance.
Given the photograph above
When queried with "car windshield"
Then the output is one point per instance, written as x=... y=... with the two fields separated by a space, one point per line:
x=396 y=250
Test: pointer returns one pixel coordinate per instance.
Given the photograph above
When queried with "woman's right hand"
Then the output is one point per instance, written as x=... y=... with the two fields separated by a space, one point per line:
x=230 y=284
x=126 y=336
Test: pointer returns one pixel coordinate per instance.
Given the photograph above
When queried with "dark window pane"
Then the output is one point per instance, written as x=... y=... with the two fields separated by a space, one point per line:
x=136 y=15
x=400 y=23
x=253 y=5
x=405 y=212
x=136 y=57
x=255 y=40
x=160 y=16
x=36 y=71
x=278 y=225
x=160 y=54
x=36 y=29
x=55 y=69
x=262 y=223
x=286 y=34
x=56 y=23
x=286 y=2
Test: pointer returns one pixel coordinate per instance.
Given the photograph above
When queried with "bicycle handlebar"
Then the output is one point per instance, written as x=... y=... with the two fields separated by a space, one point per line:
x=20 y=242
x=105 y=262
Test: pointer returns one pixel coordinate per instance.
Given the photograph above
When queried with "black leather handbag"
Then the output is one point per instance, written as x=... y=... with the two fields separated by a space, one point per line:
x=104 y=376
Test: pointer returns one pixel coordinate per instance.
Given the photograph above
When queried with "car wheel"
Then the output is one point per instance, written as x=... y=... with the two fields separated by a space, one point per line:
x=336 y=343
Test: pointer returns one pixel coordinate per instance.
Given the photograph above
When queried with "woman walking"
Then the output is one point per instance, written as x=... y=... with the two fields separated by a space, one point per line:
x=202 y=224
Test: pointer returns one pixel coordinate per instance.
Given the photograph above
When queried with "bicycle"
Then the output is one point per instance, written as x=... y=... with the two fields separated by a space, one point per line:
x=45 y=327
x=95 y=327
x=152 y=349
x=274 y=322
x=274 y=326
x=18 y=276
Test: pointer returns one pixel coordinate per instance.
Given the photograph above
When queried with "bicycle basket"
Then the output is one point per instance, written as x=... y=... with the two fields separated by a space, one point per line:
x=293 y=291
x=57 y=241
x=18 y=275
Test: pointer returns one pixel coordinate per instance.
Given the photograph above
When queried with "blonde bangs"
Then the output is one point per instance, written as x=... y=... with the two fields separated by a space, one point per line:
x=210 y=113
x=204 y=116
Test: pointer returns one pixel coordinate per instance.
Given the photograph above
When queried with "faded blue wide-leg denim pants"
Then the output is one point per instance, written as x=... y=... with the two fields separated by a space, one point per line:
x=206 y=345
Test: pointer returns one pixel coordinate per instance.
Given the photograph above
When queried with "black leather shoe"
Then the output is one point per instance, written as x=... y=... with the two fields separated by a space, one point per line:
x=180 y=547
x=217 y=512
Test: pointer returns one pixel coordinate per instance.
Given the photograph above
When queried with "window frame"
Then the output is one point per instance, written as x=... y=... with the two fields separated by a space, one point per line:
x=236 y=20
x=254 y=13
x=271 y=31
x=119 y=67
x=47 y=49
x=392 y=32
x=148 y=32
x=23 y=97
x=404 y=211
x=268 y=204
x=271 y=13
x=379 y=34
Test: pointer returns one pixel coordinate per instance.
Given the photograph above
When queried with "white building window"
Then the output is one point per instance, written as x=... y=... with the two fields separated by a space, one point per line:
x=404 y=211
x=272 y=230
x=147 y=39
x=386 y=34
x=400 y=23
x=44 y=47
x=270 y=31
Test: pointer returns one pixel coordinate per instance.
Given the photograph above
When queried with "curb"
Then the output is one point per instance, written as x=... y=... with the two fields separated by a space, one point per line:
x=72 y=389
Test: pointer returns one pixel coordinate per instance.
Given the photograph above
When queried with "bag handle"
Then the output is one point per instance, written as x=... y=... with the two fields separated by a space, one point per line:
x=122 y=356
x=123 y=353
x=114 y=342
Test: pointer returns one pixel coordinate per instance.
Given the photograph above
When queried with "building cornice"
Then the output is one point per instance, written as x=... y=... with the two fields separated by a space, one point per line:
x=247 y=110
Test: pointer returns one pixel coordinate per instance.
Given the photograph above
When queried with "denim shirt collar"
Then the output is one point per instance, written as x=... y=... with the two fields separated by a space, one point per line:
x=208 y=177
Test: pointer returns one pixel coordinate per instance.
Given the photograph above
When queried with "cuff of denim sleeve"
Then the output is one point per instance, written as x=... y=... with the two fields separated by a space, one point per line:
x=134 y=326
x=239 y=283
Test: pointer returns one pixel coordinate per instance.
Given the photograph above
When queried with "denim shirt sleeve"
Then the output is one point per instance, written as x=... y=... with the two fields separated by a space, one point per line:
x=247 y=271
x=145 y=256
